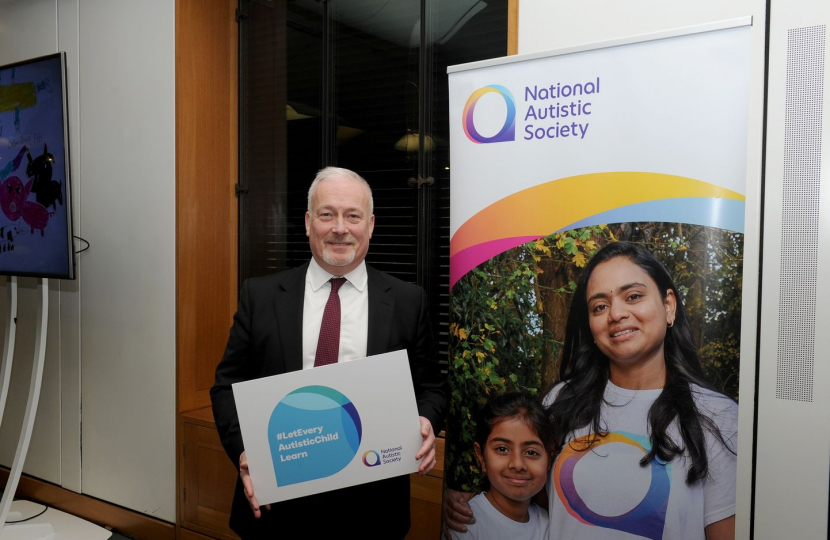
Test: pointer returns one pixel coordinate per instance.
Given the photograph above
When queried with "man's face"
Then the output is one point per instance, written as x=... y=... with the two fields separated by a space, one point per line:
x=339 y=225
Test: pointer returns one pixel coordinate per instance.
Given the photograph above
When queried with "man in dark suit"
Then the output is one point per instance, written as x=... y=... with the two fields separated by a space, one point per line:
x=277 y=328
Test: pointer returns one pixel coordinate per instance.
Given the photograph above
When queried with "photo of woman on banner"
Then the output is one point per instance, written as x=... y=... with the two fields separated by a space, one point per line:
x=648 y=446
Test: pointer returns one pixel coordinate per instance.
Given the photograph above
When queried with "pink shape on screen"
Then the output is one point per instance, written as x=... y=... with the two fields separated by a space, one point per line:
x=465 y=260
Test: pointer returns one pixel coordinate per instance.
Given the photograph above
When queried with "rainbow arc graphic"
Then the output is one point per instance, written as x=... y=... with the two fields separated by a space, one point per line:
x=590 y=199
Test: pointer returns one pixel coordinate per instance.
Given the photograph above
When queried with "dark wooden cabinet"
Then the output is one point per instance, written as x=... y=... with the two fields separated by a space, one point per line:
x=207 y=477
x=425 y=500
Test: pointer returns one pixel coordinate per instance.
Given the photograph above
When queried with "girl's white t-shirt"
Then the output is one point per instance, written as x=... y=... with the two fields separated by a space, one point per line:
x=493 y=525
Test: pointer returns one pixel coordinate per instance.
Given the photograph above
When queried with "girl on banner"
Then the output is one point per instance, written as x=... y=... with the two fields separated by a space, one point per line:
x=648 y=448
x=513 y=446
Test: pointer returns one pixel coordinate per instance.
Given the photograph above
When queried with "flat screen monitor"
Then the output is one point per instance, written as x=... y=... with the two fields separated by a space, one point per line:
x=35 y=194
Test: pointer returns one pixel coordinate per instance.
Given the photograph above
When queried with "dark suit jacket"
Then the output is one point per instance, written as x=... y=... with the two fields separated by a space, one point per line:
x=266 y=339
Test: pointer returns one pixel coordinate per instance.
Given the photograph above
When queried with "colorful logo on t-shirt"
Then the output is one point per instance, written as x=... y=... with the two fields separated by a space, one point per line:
x=314 y=432
x=507 y=131
x=646 y=519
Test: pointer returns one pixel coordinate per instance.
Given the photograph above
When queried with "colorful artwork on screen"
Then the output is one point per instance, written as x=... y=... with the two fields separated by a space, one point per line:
x=35 y=233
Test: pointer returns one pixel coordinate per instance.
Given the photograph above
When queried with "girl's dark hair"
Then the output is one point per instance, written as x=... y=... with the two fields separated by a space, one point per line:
x=509 y=405
x=585 y=372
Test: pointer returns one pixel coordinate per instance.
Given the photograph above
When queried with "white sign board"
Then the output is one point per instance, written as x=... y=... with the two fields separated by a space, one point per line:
x=329 y=427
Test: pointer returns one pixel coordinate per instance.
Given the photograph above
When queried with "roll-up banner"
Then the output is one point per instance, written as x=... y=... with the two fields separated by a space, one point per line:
x=555 y=155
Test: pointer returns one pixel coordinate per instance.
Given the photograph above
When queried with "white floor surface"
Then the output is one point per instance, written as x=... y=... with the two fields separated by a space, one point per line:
x=65 y=526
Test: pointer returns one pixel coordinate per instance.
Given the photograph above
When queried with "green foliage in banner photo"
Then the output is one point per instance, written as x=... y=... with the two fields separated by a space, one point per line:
x=508 y=317
x=497 y=343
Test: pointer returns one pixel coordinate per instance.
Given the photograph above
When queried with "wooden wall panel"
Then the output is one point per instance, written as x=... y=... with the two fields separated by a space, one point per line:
x=206 y=206
x=512 y=27
x=426 y=520
x=185 y=534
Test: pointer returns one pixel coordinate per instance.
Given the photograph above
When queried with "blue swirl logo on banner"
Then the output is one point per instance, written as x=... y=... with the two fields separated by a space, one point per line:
x=314 y=432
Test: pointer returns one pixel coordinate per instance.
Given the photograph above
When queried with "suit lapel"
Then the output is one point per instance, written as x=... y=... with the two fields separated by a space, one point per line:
x=289 y=313
x=381 y=310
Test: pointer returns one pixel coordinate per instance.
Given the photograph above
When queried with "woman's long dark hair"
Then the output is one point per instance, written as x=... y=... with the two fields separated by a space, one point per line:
x=585 y=372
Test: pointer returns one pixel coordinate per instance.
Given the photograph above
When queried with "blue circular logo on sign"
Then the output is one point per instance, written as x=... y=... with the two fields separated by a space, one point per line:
x=314 y=432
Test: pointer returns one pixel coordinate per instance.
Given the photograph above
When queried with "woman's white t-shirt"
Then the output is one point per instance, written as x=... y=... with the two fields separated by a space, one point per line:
x=605 y=494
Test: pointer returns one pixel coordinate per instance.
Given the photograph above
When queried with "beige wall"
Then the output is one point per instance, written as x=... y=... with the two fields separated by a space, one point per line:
x=111 y=339
x=551 y=24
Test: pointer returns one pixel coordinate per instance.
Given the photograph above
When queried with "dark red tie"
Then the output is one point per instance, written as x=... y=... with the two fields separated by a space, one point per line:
x=328 y=344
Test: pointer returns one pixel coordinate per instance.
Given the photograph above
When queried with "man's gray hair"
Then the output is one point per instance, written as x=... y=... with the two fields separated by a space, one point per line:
x=330 y=172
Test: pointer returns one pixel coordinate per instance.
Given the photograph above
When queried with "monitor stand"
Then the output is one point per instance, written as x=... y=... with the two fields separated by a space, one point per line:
x=33 y=526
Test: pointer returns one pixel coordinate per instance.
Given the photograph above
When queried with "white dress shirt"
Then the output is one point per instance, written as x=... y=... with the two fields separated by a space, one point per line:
x=354 y=312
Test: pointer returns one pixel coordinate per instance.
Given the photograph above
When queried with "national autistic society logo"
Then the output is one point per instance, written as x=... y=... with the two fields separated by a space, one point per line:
x=314 y=432
x=508 y=130
x=371 y=458
x=646 y=519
